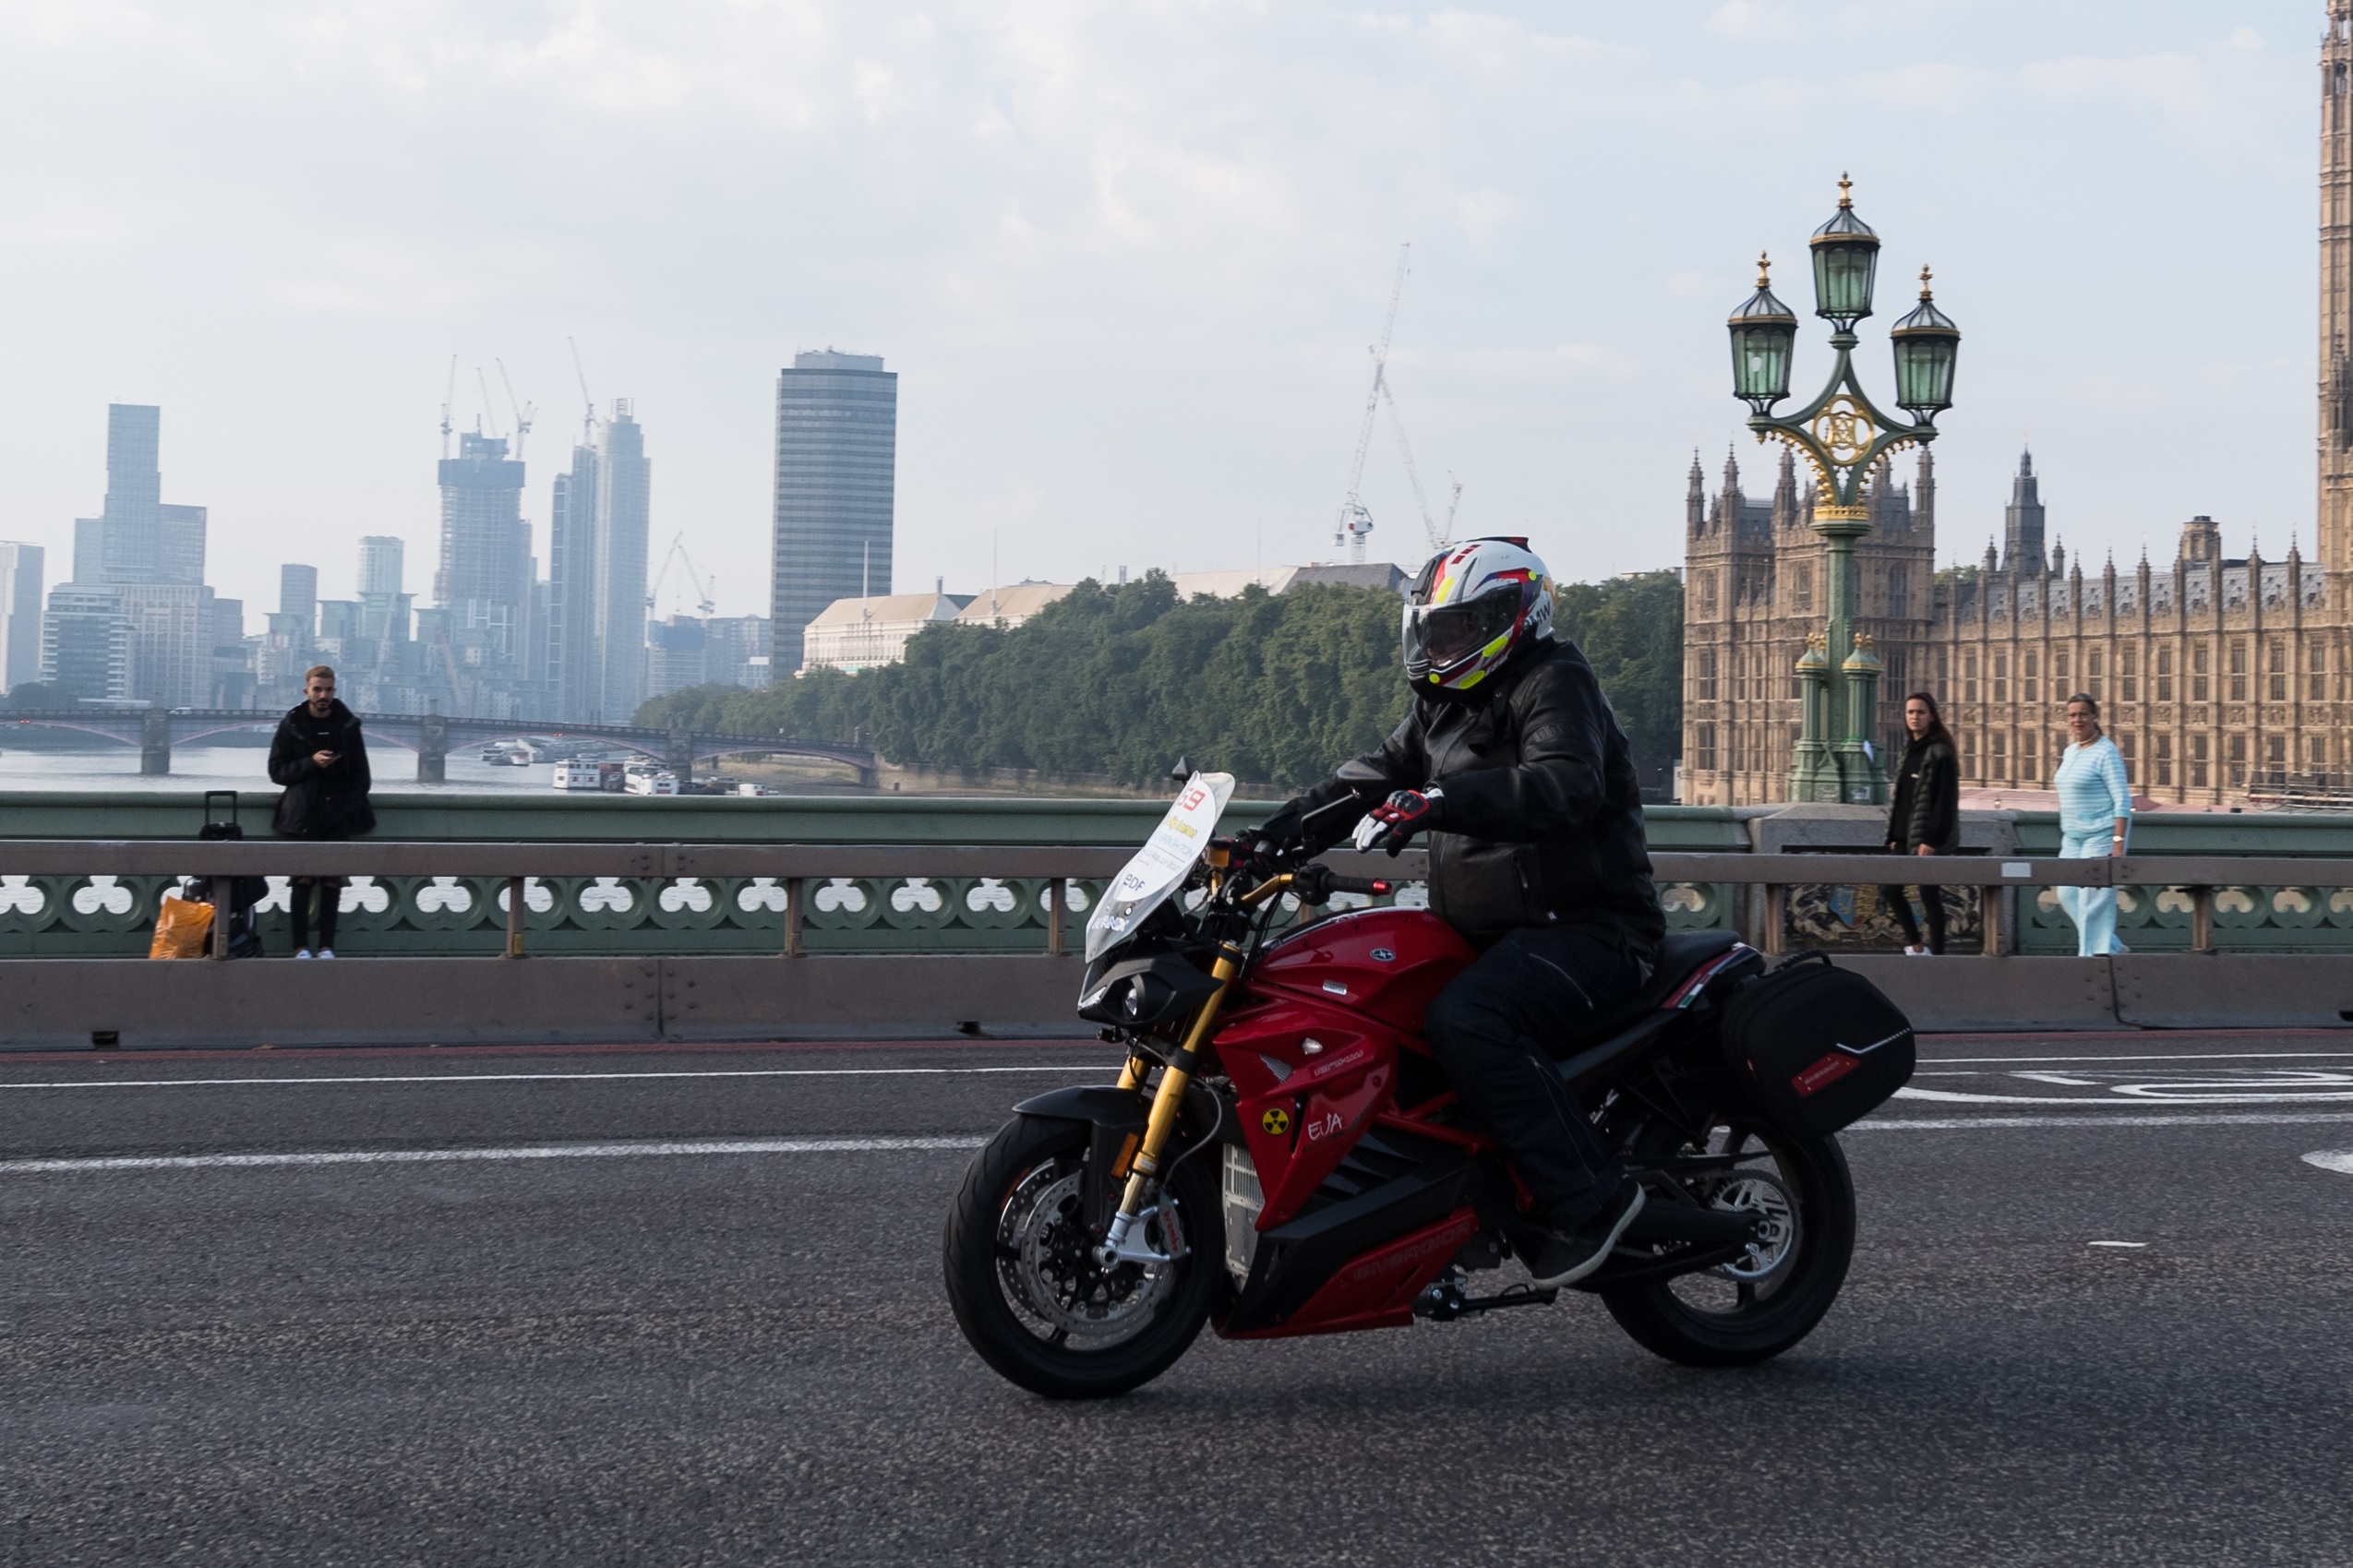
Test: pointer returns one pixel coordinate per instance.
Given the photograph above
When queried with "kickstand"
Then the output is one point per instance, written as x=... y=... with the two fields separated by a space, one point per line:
x=1443 y=1300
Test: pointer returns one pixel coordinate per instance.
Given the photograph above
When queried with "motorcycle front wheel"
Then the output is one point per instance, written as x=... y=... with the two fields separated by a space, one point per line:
x=1759 y=1305
x=1024 y=1285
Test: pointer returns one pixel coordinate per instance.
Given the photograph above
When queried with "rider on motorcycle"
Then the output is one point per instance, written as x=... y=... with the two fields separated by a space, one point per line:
x=1513 y=765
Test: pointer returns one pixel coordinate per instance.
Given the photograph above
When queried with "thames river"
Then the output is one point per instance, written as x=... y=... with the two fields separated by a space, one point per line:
x=105 y=765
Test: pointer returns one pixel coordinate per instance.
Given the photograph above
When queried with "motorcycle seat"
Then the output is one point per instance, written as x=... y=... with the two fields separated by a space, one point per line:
x=1679 y=955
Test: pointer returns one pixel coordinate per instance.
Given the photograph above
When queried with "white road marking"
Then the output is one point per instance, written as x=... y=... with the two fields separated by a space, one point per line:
x=2142 y=1093
x=2116 y=1243
x=1066 y=1067
x=2338 y=1160
x=524 y=1152
x=2169 y=1056
x=658 y=1150
x=2217 y=1118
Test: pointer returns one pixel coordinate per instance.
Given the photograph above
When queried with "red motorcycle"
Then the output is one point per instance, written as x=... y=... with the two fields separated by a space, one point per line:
x=1281 y=1154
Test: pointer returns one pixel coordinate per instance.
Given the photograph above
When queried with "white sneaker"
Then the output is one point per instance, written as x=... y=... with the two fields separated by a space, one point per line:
x=302 y=953
x=327 y=952
x=1915 y=952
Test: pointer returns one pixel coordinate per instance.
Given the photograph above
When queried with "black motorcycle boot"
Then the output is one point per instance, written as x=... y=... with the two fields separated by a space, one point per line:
x=1568 y=1256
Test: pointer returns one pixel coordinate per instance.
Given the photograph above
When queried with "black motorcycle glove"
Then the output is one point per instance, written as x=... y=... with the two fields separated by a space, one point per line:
x=1395 y=820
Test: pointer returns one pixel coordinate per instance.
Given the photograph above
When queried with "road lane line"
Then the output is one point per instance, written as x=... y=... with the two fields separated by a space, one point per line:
x=673 y=1149
x=552 y=1077
x=524 y=1152
x=2167 y=1056
x=2338 y=1160
x=2252 y=1096
x=1969 y=1123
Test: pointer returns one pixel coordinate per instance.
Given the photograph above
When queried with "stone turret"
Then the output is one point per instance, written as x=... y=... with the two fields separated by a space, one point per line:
x=2021 y=520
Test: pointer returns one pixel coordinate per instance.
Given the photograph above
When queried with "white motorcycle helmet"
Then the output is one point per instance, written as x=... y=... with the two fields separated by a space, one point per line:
x=1473 y=606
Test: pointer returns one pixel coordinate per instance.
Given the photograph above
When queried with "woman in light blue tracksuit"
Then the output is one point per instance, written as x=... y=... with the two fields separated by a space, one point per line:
x=2095 y=815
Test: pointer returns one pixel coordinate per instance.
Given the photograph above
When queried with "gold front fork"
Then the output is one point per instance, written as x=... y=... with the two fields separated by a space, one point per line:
x=1167 y=1104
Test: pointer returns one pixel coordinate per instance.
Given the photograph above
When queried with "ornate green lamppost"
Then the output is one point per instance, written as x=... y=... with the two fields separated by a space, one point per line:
x=1842 y=436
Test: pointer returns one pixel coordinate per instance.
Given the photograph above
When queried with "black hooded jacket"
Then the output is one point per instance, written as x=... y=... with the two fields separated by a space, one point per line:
x=1541 y=818
x=321 y=803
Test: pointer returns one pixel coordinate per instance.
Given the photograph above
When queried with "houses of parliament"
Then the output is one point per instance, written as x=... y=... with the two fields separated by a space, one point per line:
x=2216 y=674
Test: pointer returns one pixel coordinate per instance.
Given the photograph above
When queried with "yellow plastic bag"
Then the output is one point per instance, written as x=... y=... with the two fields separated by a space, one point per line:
x=181 y=927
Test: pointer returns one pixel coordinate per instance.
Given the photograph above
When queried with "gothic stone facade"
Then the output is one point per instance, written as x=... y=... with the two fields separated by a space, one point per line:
x=1754 y=588
x=2215 y=674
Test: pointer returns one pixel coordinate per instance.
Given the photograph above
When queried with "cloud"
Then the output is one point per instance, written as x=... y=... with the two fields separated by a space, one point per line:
x=1483 y=214
x=1751 y=19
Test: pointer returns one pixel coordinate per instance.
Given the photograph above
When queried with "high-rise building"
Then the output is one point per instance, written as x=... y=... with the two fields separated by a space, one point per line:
x=89 y=550
x=676 y=656
x=837 y=454
x=384 y=609
x=571 y=631
x=171 y=628
x=133 y=521
x=736 y=650
x=138 y=537
x=624 y=492
x=141 y=563
x=298 y=592
x=485 y=578
x=86 y=641
x=20 y=567
x=180 y=530
x=233 y=685
x=381 y=558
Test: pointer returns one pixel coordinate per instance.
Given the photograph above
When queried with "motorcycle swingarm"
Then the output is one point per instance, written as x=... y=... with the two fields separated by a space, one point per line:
x=1632 y=1268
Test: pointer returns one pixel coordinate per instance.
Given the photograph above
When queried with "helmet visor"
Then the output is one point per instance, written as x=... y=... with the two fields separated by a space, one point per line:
x=1441 y=635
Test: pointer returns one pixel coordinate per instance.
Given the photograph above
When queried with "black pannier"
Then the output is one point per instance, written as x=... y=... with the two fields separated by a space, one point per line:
x=1815 y=1048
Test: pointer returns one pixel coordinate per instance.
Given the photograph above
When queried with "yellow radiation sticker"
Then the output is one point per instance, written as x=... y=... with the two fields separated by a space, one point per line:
x=1276 y=1122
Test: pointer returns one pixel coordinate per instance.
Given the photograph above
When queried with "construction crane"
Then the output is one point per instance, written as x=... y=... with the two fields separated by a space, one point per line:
x=522 y=414
x=1453 y=506
x=587 y=403
x=448 y=396
x=703 y=603
x=1356 y=521
x=1405 y=450
x=486 y=416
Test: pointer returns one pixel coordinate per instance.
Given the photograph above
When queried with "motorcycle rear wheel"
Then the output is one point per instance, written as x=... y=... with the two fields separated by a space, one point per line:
x=1731 y=1319
x=1030 y=1299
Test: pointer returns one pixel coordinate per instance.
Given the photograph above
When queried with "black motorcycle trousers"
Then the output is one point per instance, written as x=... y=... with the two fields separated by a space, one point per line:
x=1494 y=1029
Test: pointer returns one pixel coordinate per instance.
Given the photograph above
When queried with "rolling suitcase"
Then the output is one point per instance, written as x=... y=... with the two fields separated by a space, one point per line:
x=244 y=933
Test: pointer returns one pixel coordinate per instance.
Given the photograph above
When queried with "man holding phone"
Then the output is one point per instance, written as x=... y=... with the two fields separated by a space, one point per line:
x=320 y=758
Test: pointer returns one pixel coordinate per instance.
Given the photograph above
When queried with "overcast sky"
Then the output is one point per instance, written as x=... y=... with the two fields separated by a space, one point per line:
x=1126 y=259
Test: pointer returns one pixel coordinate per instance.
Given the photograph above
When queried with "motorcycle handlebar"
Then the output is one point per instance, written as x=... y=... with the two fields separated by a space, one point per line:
x=1319 y=882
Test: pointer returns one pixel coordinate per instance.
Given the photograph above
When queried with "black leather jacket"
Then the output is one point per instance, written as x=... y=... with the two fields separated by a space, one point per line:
x=1542 y=816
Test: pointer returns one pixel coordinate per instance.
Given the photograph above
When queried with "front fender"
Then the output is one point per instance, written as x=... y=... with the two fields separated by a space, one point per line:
x=1120 y=1109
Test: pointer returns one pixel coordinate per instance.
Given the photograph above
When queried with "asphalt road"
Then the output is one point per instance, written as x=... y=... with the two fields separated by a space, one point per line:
x=2102 y=1312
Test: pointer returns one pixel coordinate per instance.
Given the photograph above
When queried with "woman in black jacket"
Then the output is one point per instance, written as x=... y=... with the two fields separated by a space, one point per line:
x=1926 y=817
x=320 y=758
